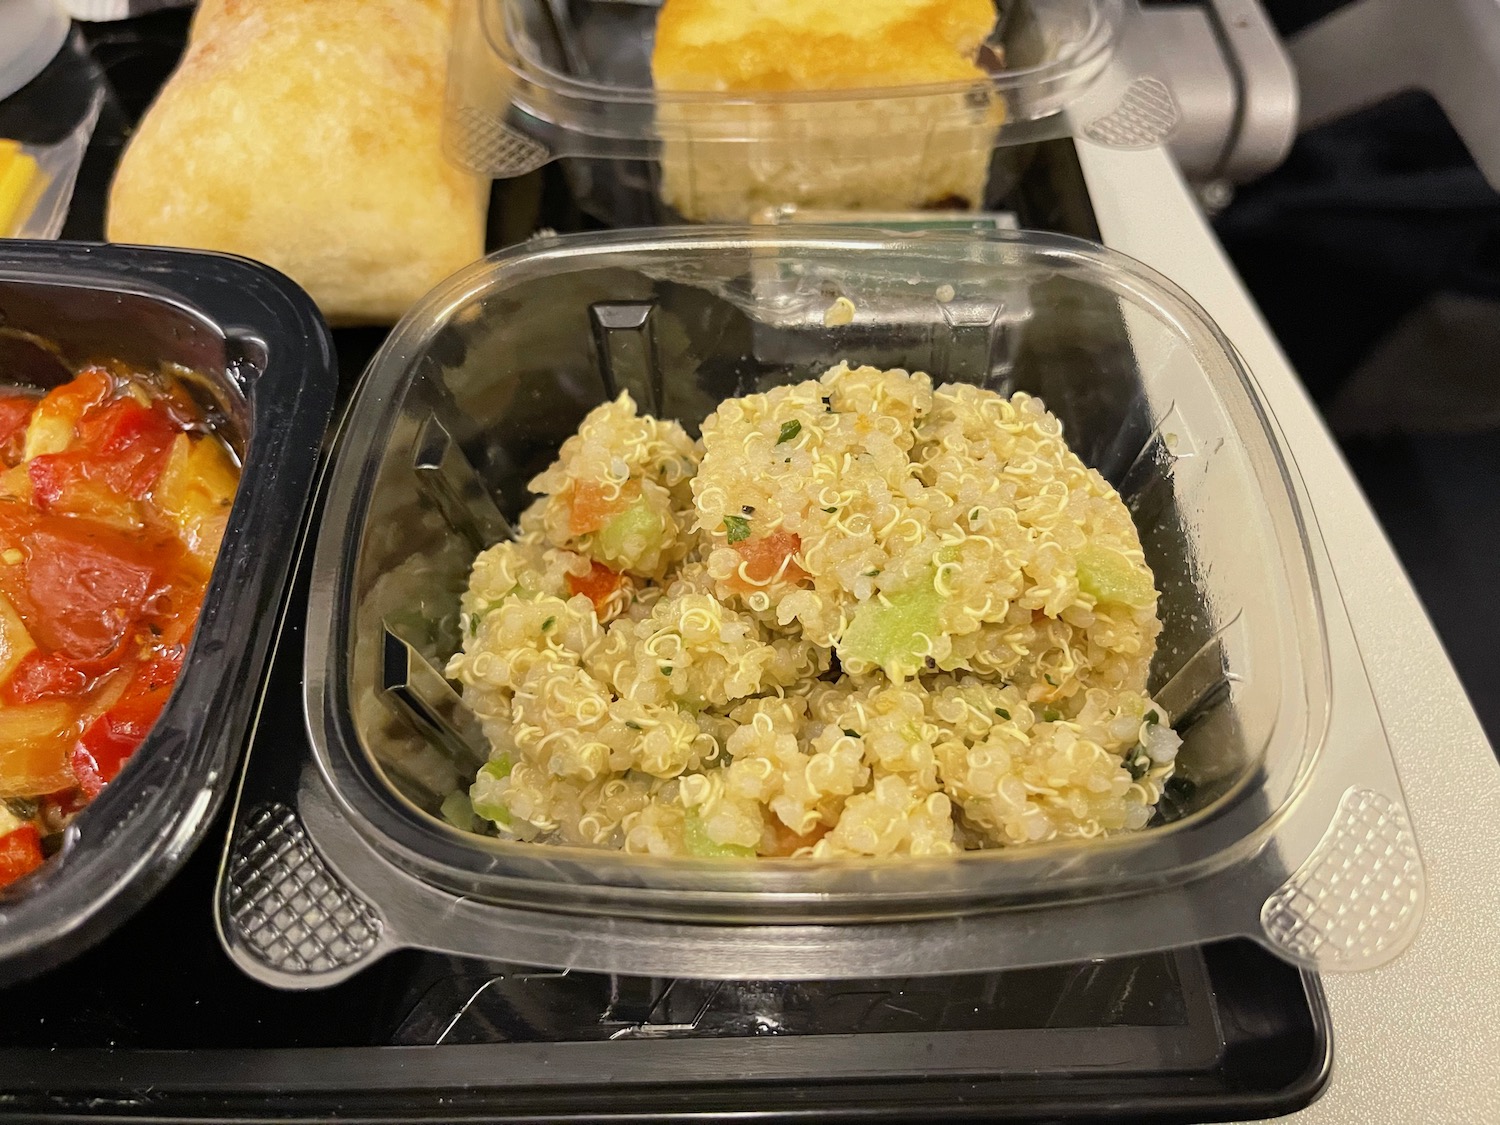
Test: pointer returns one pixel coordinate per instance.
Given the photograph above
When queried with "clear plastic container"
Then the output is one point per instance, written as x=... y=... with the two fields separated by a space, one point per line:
x=51 y=119
x=1293 y=830
x=531 y=81
x=260 y=361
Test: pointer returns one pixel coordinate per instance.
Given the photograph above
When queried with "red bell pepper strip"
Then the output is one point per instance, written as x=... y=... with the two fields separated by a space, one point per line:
x=110 y=739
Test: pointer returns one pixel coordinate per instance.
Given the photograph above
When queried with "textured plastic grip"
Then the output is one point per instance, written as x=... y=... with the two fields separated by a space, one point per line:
x=1146 y=115
x=286 y=908
x=1357 y=901
x=485 y=144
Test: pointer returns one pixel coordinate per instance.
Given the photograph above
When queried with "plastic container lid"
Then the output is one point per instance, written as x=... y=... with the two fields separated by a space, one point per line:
x=531 y=81
x=1291 y=828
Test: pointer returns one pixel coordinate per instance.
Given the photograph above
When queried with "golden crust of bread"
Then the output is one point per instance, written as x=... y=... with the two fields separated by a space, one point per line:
x=306 y=134
x=773 y=45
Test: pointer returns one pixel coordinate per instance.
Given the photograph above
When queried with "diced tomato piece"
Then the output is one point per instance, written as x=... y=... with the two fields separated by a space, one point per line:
x=15 y=413
x=92 y=384
x=45 y=675
x=599 y=584
x=20 y=853
x=51 y=474
x=101 y=752
x=159 y=672
x=125 y=444
x=764 y=556
x=88 y=588
x=110 y=739
x=591 y=506
x=53 y=422
x=121 y=446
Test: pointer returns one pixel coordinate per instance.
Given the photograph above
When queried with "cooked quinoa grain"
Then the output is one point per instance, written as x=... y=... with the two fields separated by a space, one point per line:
x=861 y=616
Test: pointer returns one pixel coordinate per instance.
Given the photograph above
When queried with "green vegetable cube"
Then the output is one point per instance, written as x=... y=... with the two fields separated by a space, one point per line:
x=485 y=795
x=698 y=843
x=632 y=533
x=457 y=811
x=1108 y=576
x=891 y=636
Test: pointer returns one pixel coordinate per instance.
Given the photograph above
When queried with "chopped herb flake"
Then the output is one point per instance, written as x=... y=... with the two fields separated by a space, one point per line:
x=830 y=511
x=736 y=528
x=748 y=510
x=872 y=573
x=789 y=430
x=632 y=724
x=974 y=515
x=666 y=669
x=1003 y=713
x=1049 y=679
x=851 y=733
x=1050 y=714
x=473 y=624
x=547 y=624
x=1152 y=718
x=1138 y=766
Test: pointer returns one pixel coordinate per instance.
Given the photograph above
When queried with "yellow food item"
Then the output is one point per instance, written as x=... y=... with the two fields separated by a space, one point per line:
x=920 y=148
x=15 y=639
x=34 y=742
x=306 y=134
x=196 y=490
x=18 y=185
x=732 y=46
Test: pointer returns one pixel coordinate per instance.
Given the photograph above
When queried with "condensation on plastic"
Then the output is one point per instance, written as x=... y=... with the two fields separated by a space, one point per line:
x=261 y=361
x=532 y=81
x=476 y=389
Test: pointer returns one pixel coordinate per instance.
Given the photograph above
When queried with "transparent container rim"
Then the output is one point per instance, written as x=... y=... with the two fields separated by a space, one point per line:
x=427 y=846
x=1098 y=39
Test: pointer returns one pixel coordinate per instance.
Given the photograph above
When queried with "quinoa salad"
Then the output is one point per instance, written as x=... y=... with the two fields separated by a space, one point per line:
x=861 y=616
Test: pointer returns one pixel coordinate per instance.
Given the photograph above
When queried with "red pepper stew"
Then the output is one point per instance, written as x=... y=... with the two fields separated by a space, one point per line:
x=113 y=501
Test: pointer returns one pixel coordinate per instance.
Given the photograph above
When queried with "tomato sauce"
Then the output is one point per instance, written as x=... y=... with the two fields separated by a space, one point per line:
x=113 y=501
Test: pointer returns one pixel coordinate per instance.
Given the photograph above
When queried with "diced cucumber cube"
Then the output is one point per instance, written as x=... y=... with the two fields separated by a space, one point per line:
x=1108 y=576
x=892 y=635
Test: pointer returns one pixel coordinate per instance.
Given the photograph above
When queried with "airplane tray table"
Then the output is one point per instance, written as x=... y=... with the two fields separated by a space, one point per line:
x=157 y=1025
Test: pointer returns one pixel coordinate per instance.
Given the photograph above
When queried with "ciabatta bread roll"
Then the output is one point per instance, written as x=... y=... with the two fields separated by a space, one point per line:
x=306 y=134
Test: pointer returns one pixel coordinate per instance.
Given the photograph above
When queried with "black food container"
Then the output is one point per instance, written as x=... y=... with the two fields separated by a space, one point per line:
x=261 y=361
